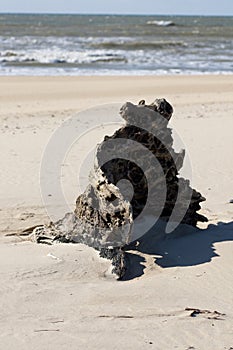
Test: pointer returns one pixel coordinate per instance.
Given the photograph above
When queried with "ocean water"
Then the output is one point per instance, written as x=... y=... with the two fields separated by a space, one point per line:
x=115 y=45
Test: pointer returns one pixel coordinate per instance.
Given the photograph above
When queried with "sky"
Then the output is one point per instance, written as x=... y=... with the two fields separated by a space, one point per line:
x=173 y=7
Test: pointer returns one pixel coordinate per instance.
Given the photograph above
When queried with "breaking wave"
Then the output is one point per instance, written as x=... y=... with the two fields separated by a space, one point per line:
x=162 y=23
x=48 y=59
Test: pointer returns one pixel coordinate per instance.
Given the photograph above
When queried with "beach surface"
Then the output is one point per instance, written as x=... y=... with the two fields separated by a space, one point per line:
x=54 y=297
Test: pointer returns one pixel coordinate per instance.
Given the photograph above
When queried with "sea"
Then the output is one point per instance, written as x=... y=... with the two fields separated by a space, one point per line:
x=46 y=44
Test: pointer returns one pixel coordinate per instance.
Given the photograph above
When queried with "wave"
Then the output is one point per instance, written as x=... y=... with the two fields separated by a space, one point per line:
x=8 y=54
x=162 y=23
x=110 y=59
x=140 y=45
x=62 y=62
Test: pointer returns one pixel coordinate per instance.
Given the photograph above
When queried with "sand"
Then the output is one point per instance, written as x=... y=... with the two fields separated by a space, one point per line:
x=63 y=296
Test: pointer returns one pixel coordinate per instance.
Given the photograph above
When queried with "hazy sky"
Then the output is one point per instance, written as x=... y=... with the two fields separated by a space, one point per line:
x=199 y=7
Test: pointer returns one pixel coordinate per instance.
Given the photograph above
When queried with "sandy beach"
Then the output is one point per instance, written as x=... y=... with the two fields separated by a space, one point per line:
x=54 y=297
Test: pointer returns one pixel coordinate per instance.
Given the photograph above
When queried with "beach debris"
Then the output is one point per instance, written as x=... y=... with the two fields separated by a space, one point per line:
x=211 y=315
x=135 y=176
x=231 y=201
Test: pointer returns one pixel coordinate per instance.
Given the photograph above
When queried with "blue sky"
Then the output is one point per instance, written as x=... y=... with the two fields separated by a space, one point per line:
x=189 y=7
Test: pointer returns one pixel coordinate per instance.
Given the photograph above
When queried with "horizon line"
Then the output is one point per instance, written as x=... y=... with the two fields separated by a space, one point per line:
x=113 y=14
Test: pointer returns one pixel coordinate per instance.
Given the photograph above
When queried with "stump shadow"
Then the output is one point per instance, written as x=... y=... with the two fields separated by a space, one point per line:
x=187 y=246
x=135 y=266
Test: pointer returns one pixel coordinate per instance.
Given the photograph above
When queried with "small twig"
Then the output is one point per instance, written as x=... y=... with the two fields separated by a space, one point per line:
x=47 y=330
x=116 y=316
x=25 y=232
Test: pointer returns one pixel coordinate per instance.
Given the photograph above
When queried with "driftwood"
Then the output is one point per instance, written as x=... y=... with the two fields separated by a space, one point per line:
x=141 y=154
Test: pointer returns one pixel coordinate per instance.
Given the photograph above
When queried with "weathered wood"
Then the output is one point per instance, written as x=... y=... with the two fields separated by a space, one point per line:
x=105 y=212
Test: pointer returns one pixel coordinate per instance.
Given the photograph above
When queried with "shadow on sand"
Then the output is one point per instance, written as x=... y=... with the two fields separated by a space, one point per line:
x=187 y=246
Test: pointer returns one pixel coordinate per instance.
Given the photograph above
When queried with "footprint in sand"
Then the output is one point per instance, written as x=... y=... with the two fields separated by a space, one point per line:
x=25 y=216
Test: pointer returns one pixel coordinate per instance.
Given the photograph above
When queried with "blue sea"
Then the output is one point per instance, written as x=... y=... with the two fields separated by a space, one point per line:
x=115 y=45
